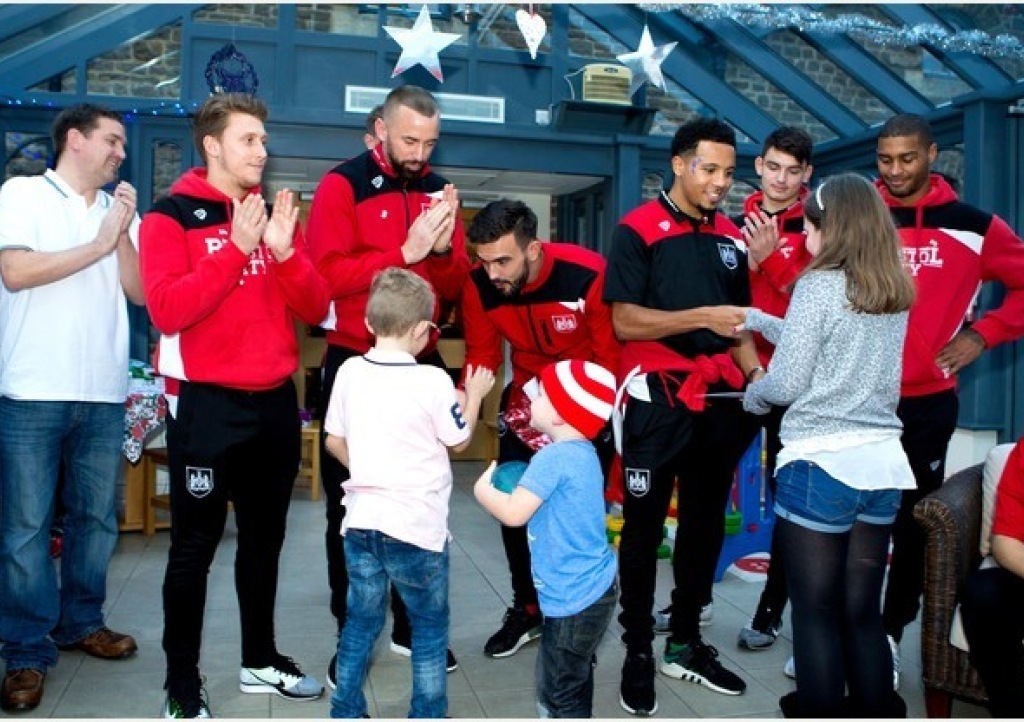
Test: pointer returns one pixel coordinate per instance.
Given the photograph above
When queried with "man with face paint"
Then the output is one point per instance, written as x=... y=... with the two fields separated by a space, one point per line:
x=383 y=208
x=544 y=299
x=677 y=280
x=950 y=249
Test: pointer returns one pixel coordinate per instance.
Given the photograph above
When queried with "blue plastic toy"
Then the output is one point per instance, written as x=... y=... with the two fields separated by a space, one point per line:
x=506 y=476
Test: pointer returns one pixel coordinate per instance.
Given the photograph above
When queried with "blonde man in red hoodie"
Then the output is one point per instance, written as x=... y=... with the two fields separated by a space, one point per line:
x=225 y=278
x=950 y=248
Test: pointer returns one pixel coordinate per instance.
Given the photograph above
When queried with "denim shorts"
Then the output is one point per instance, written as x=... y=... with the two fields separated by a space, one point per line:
x=806 y=495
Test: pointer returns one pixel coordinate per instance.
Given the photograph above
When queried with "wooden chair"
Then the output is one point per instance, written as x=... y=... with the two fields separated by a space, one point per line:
x=309 y=464
x=951 y=518
x=153 y=458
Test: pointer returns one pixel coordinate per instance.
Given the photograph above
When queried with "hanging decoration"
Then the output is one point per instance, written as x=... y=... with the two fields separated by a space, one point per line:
x=857 y=26
x=533 y=27
x=646 y=62
x=420 y=45
x=229 y=71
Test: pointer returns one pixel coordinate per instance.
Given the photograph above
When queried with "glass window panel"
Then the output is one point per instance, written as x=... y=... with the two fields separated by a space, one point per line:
x=1004 y=19
x=760 y=90
x=41 y=32
x=249 y=15
x=66 y=82
x=830 y=77
x=147 y=67
x=497 y=28
x=25 y=153
x=167 y=160
x=337 y=19
x=587 y=40
x=950 y=162
x=917 y=67
x=651 y=185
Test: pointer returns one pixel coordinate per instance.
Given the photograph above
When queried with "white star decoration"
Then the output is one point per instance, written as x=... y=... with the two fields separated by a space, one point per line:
x=420 y=45
x=646 y=62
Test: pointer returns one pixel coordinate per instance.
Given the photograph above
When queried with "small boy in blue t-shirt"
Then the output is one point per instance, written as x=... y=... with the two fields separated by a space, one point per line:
x=561 y=500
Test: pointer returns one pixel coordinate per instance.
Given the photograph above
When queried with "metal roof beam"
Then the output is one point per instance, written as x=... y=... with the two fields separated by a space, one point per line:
x=800 y=89
x=625 y=25
x=860 y=65
x=979 y=72
x=86 y=40
x=17 y=18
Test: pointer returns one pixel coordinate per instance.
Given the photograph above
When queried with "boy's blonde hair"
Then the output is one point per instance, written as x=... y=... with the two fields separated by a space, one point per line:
x=399 y=299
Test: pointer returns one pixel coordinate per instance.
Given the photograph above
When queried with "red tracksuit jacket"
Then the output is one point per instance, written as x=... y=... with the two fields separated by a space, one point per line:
x=951 y=248
x=225 y=318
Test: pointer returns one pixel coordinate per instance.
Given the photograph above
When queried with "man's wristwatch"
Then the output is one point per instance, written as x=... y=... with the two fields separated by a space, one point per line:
x=445 y=252
x=751 y=372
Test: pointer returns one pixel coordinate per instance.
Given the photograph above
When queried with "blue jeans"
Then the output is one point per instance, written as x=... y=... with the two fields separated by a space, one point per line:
x=806 y=495
x=565 y=663
x=421 y=577
x=34 y=437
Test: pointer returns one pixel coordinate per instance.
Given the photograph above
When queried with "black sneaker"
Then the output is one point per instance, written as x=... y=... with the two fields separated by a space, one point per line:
x=636 y=693
x=186 y=700
x=517 y=629
x=697 y=662
x=402 y=647
x=332 y=672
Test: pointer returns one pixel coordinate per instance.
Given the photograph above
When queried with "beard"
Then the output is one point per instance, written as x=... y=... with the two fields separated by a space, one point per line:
x=513 y=287
x=405 y=170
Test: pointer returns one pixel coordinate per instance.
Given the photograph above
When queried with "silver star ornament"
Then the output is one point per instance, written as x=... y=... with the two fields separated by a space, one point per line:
x=646 y=62
x=420 y=45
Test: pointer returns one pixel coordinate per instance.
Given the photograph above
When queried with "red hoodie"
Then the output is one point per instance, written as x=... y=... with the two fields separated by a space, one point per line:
x=951 y=248
x=359 y=219
x=225 y=318
x=560 y=315
x=771 y=284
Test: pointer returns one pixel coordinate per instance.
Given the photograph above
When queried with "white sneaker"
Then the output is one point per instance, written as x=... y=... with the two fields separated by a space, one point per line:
x=282 y=678
x=894 y=649
x=790 y=669
x=663 y=618
x=707 y=613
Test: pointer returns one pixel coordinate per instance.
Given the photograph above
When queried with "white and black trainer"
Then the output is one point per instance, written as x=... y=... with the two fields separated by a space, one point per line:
x=283 y=678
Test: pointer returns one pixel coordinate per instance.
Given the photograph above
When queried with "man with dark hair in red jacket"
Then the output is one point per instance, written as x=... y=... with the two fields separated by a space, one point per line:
x=544 y=299
x=950 y=248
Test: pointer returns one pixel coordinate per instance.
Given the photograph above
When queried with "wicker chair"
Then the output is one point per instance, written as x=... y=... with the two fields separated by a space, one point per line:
x=951 y=518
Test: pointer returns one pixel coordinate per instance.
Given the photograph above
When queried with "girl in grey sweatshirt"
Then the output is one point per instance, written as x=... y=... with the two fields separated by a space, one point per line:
x=837 y=366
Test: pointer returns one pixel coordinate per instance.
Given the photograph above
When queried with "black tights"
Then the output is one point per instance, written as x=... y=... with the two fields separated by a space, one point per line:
x=835 y=586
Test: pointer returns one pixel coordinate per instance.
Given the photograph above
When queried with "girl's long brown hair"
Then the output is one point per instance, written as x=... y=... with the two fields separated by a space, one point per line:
x=858 y=237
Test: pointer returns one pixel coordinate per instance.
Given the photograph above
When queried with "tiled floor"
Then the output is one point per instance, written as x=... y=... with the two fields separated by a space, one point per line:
x=80 y=686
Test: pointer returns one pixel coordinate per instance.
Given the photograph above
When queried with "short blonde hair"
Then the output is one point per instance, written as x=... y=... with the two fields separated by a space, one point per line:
x=399 y=299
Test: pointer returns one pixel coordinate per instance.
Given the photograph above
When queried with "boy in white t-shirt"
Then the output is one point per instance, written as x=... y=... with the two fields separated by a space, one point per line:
x=389 y=422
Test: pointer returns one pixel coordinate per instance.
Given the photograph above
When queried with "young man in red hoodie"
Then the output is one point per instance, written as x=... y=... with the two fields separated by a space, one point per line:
x=544 y=299
x=225 y=278
x=950 y=248
x=383 y=208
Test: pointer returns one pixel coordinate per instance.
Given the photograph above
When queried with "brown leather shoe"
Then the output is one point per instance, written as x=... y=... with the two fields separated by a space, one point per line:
x=106 y=644
x=23 y=690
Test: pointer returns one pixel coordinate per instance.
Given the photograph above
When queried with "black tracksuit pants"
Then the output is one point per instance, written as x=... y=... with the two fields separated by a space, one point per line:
x=227 y=445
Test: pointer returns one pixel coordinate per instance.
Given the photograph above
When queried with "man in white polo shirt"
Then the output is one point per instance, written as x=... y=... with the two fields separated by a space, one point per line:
x=68 y=262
